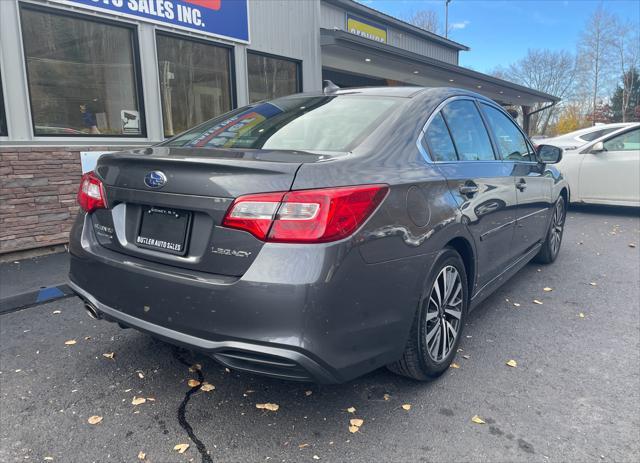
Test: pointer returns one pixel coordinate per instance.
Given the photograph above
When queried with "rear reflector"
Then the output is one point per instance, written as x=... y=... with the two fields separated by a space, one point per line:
x=91 y=193
x=305 y=216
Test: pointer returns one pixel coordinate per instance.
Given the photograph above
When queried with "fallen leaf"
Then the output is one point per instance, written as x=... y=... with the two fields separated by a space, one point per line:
x=354 y=429
x=351 y=409
x=56 y=312
x=535 y=301
x=268 y=406
x=308 y=393
x=70 y=342
x=356 y=422
x=547 y=289
x=477 y=420
x=151 y=399
x=138 y=400
x=48 y=458
x=512 y=363
x=86 y=338
x=140 y=375
x=466 y=356
x=195 y=367
x=95 y=419
x=301 y=446
x=142 y=455
x=181 y=448
x=454 y=365
x=631 y=245
x=193 y=383
x=109 y=355
x=316 y=457
x=581 y=315
x=516 y=304
x=406 y=407
x=593 y=283
x=206 y=387
x=386 y=397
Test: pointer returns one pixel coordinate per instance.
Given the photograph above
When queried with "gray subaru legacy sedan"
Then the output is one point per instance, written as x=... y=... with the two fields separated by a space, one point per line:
x=319 y=236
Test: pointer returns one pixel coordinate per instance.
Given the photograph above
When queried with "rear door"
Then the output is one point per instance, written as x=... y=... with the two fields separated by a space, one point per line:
x=613 y=174
x=458 y=142
x=533 y=188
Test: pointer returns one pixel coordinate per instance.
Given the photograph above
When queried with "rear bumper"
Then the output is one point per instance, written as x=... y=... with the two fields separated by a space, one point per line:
x=313 y=313
x=271 y=361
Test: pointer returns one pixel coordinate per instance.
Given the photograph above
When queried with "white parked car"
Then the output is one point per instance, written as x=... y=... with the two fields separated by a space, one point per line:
x=606 y=170
x=574 y=140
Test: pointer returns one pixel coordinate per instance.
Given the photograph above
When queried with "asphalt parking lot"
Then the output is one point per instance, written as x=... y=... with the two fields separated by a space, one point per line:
x=574 y=395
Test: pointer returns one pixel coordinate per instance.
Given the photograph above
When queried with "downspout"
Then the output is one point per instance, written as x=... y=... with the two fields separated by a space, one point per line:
x=526 y=116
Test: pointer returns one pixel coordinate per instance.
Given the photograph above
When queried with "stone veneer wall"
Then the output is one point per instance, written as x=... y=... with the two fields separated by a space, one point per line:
x=38 y=187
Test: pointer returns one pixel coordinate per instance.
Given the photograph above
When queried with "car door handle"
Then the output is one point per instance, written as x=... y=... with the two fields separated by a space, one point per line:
x=469 y=189
x=521 y=185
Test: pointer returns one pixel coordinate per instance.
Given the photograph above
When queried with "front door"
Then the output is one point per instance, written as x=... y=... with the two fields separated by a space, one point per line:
x=613 y=175
x=532 y=187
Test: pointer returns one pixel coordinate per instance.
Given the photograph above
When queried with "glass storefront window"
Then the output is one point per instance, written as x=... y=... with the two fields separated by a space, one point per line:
x=82 y=76
x=271 y=77
x=195 y=82
x=3 y=114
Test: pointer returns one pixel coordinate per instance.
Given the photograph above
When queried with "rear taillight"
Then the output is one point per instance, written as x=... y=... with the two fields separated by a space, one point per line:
x=91 y=193
x=305 y=216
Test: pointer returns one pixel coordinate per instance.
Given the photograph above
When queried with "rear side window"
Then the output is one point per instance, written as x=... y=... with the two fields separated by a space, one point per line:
x=628 y=141
x=439 y=141
x=509 y=140
x=468 y=131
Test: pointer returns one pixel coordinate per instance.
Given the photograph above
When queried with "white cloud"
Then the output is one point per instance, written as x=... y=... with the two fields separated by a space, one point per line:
x=460 y=25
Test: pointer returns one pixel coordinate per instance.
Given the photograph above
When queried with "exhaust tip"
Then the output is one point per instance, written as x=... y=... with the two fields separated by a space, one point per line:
x=92 y=311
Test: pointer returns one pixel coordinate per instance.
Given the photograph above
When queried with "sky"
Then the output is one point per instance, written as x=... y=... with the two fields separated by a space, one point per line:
x=499 y=32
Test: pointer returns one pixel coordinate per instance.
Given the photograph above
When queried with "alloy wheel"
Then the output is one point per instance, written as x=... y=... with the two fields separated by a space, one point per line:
x=444 y=313
x=556 y=227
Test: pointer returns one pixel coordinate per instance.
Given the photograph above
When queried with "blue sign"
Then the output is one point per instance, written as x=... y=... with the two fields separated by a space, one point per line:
x=221 y=18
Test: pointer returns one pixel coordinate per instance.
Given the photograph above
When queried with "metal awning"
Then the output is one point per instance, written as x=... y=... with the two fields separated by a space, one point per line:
x=342 y=51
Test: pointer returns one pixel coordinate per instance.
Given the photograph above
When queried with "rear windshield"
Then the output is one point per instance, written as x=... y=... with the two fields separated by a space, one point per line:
x=319 y=123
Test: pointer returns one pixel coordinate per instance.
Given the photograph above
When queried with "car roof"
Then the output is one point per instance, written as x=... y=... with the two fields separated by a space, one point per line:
x=401 y=92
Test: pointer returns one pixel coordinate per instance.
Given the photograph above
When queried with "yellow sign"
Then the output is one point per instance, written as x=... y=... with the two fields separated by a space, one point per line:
x=367 y=29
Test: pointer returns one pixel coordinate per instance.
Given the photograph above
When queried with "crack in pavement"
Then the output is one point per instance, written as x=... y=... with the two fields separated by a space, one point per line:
x=182 y=419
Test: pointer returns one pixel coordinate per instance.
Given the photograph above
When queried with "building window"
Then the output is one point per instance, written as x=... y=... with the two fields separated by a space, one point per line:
x=82 y=73
x=195 y=82
x=272 y=77
x=3 y=114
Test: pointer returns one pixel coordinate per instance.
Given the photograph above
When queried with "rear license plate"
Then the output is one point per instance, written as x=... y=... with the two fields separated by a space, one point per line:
x=164 y=229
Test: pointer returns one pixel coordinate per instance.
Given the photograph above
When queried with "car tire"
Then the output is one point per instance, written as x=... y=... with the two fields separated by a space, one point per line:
x=420 y=360
x=551 y=246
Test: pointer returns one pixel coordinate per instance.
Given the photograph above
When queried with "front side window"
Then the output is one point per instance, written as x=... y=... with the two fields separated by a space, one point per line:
x=319 y=123
x=629 y=141
x=468 y=131
x=82 y=76
x=195 y=82
x=271 y=77
x=439 y=141
x=3 y=114
x=509 y=140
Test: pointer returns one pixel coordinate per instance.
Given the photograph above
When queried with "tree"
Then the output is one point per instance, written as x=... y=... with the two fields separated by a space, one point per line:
x=595 y=52
x=548 y=71
x=570 y=119
x=425 y=19
x=625 y=102
x=626 y=46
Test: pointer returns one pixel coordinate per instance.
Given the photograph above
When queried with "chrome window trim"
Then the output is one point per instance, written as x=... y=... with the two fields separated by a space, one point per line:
x=427 y=157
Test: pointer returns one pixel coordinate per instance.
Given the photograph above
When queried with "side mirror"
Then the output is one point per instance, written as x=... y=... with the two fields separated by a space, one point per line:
x=597 y=148
x=550 y=154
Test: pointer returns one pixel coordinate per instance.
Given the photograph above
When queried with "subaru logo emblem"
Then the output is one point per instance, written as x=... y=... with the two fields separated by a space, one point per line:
x=155 y=179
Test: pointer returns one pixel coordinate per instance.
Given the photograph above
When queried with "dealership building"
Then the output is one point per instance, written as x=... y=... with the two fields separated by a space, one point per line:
x=82 y=77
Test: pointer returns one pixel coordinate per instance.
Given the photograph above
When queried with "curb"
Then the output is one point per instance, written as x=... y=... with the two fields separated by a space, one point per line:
x=33 y=298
